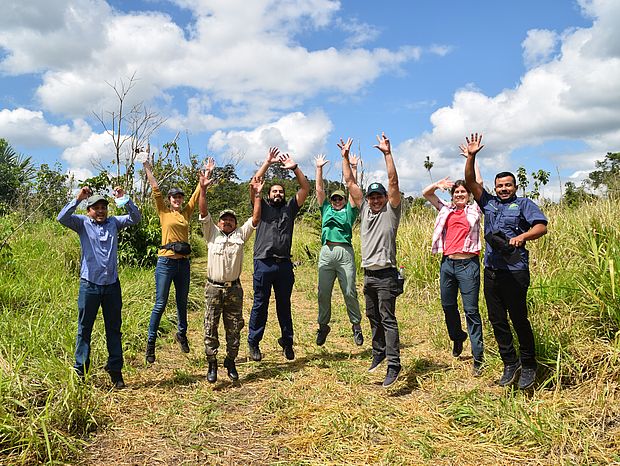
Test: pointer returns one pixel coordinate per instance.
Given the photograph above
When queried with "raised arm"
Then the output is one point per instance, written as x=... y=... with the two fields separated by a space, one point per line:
x=393 y=189
x=304 y=186
x=145 y=155
x=133 y=213
x=356 y=196
x=256 y=186
x=205 y=180
x=320 y=161
x=469 y=150
x=66 y=217
x=354 y=160
x=429 y=191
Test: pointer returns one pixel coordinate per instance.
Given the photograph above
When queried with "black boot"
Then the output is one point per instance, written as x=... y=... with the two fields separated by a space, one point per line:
x=150 y=352
x=229 y=364
x=116 y=377
x=212 y=372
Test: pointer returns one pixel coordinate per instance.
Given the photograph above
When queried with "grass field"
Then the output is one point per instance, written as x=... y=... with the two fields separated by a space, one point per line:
x=322 y=408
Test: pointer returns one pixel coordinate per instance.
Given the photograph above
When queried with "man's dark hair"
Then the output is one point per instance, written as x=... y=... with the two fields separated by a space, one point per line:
x=504 y=175
x=458 y=183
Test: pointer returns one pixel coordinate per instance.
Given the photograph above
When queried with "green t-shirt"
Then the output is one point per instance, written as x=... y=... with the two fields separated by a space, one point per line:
x=337 y=225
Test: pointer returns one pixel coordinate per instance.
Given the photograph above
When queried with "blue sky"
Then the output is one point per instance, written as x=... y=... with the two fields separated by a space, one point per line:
x=536 y=77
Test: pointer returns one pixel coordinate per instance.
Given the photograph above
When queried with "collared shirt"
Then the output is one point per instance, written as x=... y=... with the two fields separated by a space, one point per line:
x=99 y=241
x=337 y=225
x=472 y=242
x=225 y=255
x=174 y=224
x=274 y=234
x=511 y=217
x=378 y=232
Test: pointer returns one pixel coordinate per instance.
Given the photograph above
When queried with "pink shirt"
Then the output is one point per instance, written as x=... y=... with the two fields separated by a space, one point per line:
x=444 y=242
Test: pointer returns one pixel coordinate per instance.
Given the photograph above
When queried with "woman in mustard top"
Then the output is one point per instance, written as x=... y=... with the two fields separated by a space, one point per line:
x=173 y=261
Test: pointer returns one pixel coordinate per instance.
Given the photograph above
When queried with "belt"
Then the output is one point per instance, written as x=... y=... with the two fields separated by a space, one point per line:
x=380 y=272
x=336 y=243
x=224 y=284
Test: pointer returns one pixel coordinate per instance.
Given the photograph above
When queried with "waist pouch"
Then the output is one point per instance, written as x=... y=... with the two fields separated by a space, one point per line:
x=179 y=247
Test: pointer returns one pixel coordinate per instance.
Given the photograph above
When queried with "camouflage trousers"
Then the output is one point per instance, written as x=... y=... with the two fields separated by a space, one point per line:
x=228 y=303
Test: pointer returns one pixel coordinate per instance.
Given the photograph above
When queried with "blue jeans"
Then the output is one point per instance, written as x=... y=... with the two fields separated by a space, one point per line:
x=279 y=274
x=464 y=275
x=170 y=271
x=90 y=297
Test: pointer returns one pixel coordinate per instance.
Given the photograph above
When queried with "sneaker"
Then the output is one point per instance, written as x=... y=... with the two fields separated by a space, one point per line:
x=255 y=354
x=212 y=372
x=528 y=377
x=457 y=348
x=116 y=377
x=182 y=341
x=477 y=369
x=321 y=334
x=358 y=336
x=150 y=352
x=229 y=364
x=287 y=350
x=511 y=371
x=392 y=376
x=376 y=362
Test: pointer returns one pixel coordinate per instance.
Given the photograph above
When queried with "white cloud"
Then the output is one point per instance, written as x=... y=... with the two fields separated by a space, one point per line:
x=95 y=151
x=302 y=136
x=539 y=46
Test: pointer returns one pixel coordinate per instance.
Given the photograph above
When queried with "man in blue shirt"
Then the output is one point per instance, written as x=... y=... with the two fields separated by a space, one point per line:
x=99 y=284
x=509 y=222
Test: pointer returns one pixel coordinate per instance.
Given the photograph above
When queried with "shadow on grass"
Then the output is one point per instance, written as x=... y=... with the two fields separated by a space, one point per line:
x=411 y=374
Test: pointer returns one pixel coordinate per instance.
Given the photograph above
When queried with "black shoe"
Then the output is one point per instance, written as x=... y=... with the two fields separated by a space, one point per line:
x=182 y=341
x=255 y=354
x=212 y=372
x=321 y=334
x=391 y=376
x=287 y=350
x=477 y=369
x=150 y=352
x=116 y=377
x=511 y=371
x=528 y=377
x=457 y=348
x=376 y=362
x=229 y=364
x=358 y=336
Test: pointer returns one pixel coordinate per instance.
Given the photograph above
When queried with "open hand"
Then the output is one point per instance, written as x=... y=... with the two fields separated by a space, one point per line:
x=320 y=161
x=473 y=146
x=287 y=161
x=384 y=144
x=445 y=183
x=345 y=147
x=272 y=155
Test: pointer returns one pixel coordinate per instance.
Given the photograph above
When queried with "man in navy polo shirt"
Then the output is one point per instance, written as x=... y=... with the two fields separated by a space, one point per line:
x=509 y=222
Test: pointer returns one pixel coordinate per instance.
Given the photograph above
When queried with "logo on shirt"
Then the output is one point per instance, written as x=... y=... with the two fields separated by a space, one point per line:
x=514 y=205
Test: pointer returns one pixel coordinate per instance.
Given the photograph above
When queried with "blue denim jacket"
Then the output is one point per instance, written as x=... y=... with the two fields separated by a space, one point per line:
x=99 y=241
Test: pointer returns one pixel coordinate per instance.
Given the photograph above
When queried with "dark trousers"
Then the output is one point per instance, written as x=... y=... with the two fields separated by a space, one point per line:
x=380 y=291
x=505 y=293
x=90 y=298
x=278 y=274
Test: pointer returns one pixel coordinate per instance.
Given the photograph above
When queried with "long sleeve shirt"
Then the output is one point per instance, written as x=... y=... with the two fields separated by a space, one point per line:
x=174 y=224
x=99 y=241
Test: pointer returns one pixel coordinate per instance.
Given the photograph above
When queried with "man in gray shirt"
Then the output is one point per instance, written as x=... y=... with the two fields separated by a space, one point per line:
x=380 y=216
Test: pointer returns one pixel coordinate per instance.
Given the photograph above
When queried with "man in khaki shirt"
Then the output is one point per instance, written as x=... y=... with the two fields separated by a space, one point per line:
x=223 y=291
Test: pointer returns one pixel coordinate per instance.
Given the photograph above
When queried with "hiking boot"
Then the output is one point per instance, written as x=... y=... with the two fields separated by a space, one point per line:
x=391 y=376
x=182 y=341
x=287 y=350
x=255 y=354
x=477 y=369
x=212 y=372
x=358 y=336
x=528 y=377
x=116 y=377
x=376 y=362
x=321 y=334
x=150 y=352
x=229 y=364
x=511 y=371
x=457 y=348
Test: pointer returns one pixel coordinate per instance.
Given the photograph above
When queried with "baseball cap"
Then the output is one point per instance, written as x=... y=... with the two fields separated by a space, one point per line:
x=175 y=191
x=92 y=200
x=376 y=188
x=338 y=192
x=228 y=212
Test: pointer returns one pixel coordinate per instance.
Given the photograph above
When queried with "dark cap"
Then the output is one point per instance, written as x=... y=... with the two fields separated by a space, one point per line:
x=175 y=191
x=376 y=188
x=92 y=200
x=228 y=212
x=338 y=192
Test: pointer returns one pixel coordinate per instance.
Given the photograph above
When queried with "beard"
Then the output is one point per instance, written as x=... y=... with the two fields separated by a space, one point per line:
x=277 y=202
